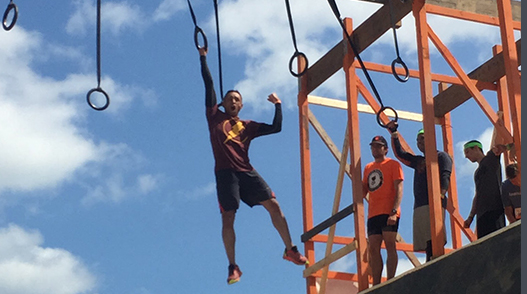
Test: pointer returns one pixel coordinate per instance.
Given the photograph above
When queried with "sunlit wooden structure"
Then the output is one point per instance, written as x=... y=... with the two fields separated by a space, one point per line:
x=499 y=73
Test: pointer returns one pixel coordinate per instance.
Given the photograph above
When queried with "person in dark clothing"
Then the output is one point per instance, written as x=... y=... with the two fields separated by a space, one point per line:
x=236 y=179
x=511 y=194
x=422 y=239
x=487 y=203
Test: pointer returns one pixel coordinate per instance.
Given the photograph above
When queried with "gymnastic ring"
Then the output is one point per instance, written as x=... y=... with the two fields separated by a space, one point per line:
x=381 y=111
x=197 y=32
x=398 y=60
x=10 y=7
x=298 y=54
x=100 y=90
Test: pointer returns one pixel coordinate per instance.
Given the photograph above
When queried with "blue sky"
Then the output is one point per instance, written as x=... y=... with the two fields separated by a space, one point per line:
x=123 y=200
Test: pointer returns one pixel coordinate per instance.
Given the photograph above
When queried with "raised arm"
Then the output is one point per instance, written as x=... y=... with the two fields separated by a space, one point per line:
x=266 y=129
x=403 y=156
x=210 y=94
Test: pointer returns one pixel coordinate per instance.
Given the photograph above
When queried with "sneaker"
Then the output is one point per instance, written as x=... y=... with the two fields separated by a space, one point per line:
x=234 y=274
x=295 y=257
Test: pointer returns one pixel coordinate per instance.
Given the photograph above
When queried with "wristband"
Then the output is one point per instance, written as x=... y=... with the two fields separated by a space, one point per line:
x=509 y=146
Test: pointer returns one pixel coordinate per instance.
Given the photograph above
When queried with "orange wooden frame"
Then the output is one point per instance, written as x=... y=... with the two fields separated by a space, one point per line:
x=508 y=88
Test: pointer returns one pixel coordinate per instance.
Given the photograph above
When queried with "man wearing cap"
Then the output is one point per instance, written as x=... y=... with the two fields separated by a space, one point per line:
x=383 y=181
x=487 y=203
x=422 y=239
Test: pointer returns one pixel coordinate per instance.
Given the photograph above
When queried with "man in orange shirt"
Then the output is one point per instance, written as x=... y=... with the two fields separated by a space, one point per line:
x=383 y=181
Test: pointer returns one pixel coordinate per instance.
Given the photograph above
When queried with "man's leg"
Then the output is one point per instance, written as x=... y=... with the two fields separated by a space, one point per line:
x=391 y=252
x=229 y=237
x=279 y=221
x=375 y=258
x=428 y=250
x=291 y=252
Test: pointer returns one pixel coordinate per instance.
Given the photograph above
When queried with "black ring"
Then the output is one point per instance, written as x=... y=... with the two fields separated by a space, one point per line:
x=398 y=60
x=197 y=32
x=381 y=111
x=298 y=54
x=98 y=89
x=10 y=7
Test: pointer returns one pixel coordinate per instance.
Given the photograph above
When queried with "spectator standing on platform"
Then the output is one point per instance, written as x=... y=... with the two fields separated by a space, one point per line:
x=511 y=194
x=486 y=204
x=422 y=239
x=383 y=181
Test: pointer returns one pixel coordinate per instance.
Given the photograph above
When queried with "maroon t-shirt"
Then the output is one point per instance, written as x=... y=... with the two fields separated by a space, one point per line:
x=230 y=138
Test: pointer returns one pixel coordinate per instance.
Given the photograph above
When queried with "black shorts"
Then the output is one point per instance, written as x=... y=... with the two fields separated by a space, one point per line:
x=232 y=186
x=489 y=222
x=377 y=224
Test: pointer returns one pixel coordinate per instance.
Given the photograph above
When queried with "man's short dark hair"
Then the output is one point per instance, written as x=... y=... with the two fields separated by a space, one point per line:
x=511 y=170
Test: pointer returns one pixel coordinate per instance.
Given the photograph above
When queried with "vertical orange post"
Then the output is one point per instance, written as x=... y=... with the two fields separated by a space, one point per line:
x=503 y=100
x=448 y=147
x=355 y=159
x=305 y=169
x=427 y=102
x=510 y=56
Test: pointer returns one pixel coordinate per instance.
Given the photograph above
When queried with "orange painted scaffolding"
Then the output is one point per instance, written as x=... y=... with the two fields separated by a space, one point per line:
x=500 y=74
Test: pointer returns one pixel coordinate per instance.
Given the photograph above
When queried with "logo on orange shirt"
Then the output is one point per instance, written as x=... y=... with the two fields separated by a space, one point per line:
x=375 y=180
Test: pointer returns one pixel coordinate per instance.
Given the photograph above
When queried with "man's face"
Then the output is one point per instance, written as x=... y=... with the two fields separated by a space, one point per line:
x=421 y=142
x=470 y=154
x=378 y=150
x=232 y=103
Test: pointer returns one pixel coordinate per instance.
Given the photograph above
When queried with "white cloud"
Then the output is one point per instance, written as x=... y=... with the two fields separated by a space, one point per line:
x=147 y=183
x=116 y=167
x=115 y=17
x=167 y=8
x=28 y=268
x=46 y=143
x=208 y=190
x=83 y=18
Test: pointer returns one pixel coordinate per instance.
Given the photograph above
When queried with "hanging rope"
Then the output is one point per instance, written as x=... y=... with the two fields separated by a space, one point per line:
x=219 y=47
x=397 y=60
x=335 y=9
x=10 y=6
x=297 y=53
x=98 y=88
x=197 y=30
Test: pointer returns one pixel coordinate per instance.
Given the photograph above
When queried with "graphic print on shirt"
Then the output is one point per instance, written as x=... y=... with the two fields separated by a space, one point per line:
x=375 y=180
x=234 y=132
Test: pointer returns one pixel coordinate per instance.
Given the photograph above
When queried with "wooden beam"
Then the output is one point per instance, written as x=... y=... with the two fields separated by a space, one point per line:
x=469 y=16
x=362 y=37
x=330 y=259
x=483 y=7
x=335 y=210
x=364 y=108
x=490 y=71
x=327 y=223
x=435 y=77
x=326 y=139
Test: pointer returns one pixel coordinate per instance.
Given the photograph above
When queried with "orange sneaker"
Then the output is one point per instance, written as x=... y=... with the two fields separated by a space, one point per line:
x=234 y=274
x=295 y=257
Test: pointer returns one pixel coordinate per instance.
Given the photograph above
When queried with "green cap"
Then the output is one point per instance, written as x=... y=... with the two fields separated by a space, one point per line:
x=421 y=131
x=472 y=143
